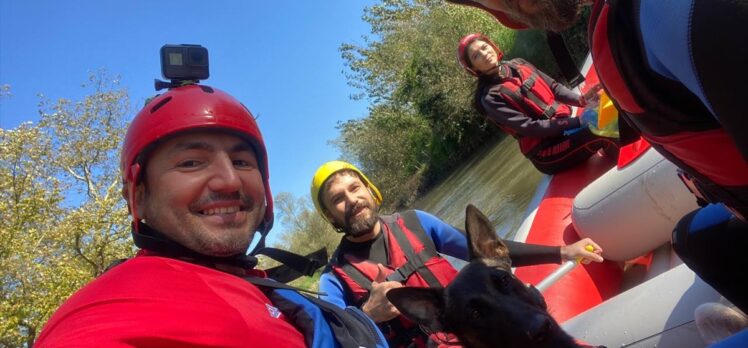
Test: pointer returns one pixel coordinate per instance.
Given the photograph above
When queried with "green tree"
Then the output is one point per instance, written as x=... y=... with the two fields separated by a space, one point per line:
x=390 y=145
x=62 y=219
x=305 y=232
x=305 y=229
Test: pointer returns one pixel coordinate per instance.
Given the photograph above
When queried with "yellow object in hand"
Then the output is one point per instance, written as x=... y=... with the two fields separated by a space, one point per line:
x=607 y=119
x=589 y=248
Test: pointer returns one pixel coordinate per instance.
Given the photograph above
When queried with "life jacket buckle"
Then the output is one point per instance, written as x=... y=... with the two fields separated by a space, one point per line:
x=402 y=273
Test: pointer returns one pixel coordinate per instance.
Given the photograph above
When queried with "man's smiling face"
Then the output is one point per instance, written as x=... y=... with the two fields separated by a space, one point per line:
x=204 y=190
x=350 y=205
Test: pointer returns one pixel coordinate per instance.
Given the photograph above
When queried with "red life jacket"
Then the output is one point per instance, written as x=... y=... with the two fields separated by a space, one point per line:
x=663 y=111
x=412 y=259
x=525 y=90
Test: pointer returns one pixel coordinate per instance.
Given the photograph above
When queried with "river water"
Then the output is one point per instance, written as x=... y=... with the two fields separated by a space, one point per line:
x=498 y=180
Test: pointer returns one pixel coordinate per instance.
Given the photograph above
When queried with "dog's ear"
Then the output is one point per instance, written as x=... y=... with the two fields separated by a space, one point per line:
x=423 y=306
x=482 y=239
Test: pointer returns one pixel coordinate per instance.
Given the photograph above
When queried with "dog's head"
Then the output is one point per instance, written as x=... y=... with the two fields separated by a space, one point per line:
x=485 y=305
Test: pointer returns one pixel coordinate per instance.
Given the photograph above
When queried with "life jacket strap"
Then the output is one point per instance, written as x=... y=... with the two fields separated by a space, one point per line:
x=550 y=110
x=413 y=265
x=293 y=265
x=417 y=265
x=359 y=278
x=151 y=239
x=526 y=90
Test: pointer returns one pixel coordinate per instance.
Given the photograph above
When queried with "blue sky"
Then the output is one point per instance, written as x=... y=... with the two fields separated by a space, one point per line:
x=280 y=58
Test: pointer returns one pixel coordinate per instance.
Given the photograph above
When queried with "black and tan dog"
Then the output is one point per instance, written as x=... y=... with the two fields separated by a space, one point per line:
x=485 y=305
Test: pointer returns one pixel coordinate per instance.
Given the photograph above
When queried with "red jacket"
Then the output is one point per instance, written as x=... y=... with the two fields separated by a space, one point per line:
x=152 y=301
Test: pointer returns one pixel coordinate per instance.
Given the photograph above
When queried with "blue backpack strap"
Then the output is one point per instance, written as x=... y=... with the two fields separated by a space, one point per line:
x=326 y=325
x=351 y=326
x=323 y=324
x=306 y=316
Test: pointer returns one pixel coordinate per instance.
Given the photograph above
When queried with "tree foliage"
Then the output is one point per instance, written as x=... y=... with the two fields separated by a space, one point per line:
x=389 y=138
x=62 y=219
x=305 y=231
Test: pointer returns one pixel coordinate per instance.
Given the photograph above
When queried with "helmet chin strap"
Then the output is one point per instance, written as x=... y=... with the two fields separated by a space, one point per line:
x=260 y=244
x=148 y=238
x=264 y=230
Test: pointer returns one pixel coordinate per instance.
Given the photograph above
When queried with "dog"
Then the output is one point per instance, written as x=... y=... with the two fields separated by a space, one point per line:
x=485 y=305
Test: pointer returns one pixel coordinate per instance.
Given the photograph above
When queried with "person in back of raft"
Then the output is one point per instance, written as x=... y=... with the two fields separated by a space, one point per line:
x=532 y=107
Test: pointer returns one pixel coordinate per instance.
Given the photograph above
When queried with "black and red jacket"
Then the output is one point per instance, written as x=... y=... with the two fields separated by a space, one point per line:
x=664 y=111
x=529 y=105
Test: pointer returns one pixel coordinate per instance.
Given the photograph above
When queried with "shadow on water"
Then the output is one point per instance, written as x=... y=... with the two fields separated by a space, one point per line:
x=498 y=180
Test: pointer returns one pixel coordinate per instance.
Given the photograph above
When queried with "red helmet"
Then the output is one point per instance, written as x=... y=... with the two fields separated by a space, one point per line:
x=462 y=50
x=188 y=108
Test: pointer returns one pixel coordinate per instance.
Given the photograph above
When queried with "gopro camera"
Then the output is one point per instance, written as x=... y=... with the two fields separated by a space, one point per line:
x=182 y=63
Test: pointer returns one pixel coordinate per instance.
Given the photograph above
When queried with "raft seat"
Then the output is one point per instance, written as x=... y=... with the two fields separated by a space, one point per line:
x=632 y=211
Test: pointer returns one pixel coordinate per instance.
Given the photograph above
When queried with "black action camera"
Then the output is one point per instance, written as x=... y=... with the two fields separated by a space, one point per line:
x=183 y=64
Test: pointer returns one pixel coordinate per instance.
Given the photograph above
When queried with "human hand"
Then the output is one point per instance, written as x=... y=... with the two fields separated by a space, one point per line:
x=377 y=307
x=578 y=250
x=592 y=95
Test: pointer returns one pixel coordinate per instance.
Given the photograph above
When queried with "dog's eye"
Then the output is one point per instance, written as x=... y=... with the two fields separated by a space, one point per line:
x=475 y=314
x=501 y=280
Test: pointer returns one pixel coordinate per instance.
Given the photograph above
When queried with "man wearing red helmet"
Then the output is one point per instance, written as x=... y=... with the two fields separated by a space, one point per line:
x=673 y=69
x=195 y=175
x=532 y=107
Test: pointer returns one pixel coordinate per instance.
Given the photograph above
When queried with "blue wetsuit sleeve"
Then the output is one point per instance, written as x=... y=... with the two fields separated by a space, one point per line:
x=453 y=242
x=447 y=239
x=702 y=44
x=332 y=290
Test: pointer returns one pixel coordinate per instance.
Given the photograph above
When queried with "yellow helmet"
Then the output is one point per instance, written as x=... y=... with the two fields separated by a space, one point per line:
x=326 y=170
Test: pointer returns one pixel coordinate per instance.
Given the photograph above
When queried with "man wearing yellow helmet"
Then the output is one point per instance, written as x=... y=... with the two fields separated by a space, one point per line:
x=382 y=252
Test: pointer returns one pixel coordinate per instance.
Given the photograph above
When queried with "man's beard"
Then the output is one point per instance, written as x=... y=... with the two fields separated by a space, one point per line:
x=552 y=15
x=359 y=226
x=187 y=230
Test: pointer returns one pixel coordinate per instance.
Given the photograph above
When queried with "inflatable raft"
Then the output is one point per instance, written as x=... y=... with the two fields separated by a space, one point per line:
x=642 y=295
